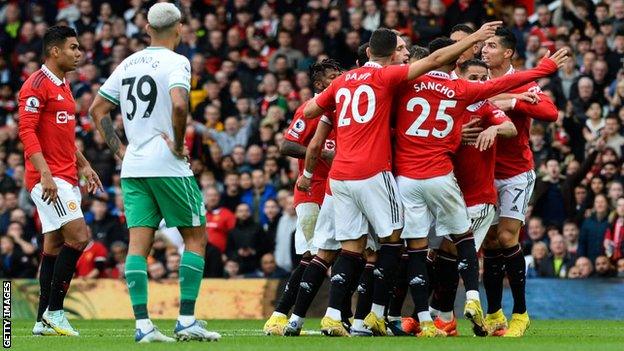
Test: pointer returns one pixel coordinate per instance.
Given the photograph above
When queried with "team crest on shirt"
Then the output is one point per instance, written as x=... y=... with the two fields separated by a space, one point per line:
x=32 y=104
x=299 y=126
x=72 y=206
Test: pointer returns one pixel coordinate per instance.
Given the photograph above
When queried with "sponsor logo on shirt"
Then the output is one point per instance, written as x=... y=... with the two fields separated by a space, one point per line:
x=62 y=117
x=32 y=104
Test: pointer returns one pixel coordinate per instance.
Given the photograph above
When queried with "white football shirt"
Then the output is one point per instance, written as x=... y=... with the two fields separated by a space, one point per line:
x=140 y=86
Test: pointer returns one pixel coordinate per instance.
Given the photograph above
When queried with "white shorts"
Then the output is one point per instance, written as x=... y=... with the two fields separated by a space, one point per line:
x=307 y=213
x=513 y=196
x=325 y=233
x=436 y=200
x=66 y=208
x=481 y=216
x=359 y=202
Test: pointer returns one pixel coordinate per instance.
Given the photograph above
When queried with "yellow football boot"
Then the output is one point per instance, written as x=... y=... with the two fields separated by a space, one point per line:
x=518 y=325
x=275 y=325
x=429 y=330
x=332 y=327
x=474 y=313
x=375 y=324
x=496 y=323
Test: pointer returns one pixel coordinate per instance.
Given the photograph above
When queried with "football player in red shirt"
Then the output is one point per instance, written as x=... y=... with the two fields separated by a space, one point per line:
x=474 y=169
x=363 y=187
x=426 y=137
x=219 y=219
x=307 y=203
x=47 y=123
x=515 y=179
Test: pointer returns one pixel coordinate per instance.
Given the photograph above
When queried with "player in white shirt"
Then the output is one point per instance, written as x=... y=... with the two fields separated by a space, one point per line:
x=151 y=87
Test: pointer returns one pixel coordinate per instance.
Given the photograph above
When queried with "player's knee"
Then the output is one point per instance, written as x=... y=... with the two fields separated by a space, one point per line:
x=394 y=238
x=490 y=243
x=371 y=256
x=448 y=247
x=327 y=255
x=507 y=238
x=415 y=244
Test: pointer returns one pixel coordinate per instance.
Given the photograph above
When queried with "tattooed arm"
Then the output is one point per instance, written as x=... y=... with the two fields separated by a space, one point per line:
x=179 y=111
x=99 y=112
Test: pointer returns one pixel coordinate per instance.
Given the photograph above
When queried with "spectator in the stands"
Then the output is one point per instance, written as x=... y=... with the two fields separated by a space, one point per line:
x=585 y=267
x=556 y=264
x=536 y=232
x=571 y=236
x=268 y=269
x=604 y=267
x=219 y=220
x=593 y=229
x=14 y=263
x=258 y=195
x=534 y=261
x=245 y=240
x=105 y=227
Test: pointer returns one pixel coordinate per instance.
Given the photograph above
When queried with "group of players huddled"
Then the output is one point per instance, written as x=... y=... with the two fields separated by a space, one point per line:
x=434 y=123
x=409 y=165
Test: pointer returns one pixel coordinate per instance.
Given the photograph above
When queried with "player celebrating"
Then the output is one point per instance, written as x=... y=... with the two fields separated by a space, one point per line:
x=426 y=137
x=364 y=190
x=474 y=168
x=515 y=179
x=151 y=87
x=47 y=124
x=307 y=204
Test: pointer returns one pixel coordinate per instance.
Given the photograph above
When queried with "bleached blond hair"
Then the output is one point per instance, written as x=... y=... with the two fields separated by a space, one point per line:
x=163 y=15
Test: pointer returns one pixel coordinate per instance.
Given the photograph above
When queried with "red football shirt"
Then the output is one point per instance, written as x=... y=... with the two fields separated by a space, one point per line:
x=514 y=155
x=428 y=108
x=218 y=223
x=362 y=99
x=94 y=252
x=474 y=169
x=301 y=131
x=47 y=124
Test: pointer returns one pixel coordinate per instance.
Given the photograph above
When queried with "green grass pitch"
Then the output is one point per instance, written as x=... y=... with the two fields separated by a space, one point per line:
x=241 y=335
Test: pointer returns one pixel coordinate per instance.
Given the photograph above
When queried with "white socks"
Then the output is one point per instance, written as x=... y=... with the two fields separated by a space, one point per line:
x=186 y=320
x=446 y=316
x=378 y=310
x=424 y=316
x=144 y=325
x=333 y=314
x=297 y=320
x=472 y=295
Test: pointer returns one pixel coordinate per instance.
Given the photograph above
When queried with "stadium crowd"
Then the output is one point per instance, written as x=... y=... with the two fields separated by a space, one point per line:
x=249 y=73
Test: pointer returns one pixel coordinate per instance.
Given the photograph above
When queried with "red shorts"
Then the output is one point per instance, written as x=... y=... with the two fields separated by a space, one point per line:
x=315 y=195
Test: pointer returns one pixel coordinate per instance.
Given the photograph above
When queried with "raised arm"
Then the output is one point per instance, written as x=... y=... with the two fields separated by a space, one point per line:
x=484 y=90
x=100 y=113
x=450 y=53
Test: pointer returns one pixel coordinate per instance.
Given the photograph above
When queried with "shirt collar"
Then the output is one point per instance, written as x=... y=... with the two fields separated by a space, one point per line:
x=52 y=76
x=372 y=65
x=511 y=70
x=439 y=74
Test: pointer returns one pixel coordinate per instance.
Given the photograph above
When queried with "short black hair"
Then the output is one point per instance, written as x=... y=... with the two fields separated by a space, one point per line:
x=440 y=43
x=362 y=58
x=507 y=38
x=418 y=52
x=472 y=62
x=462 y=28
x=56 y=36
x=317 y=69
x=383 y=42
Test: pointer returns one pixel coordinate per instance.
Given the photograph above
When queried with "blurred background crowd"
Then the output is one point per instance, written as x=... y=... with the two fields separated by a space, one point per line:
x=249 y=74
